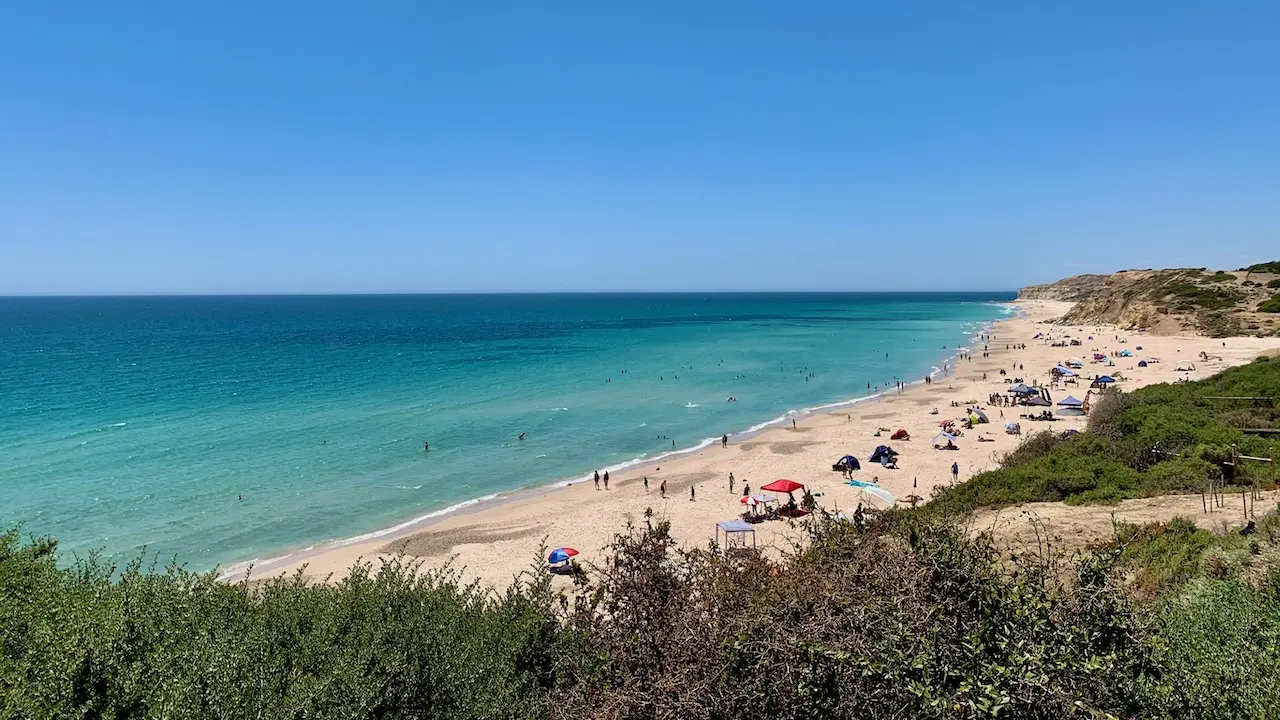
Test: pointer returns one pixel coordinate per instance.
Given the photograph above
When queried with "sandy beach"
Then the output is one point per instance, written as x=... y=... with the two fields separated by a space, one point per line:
x=495 y=540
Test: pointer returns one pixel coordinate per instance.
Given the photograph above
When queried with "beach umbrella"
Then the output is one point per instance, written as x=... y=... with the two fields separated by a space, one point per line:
x=982 y=417
x=560 y=555
x=1069 y=401
x=757 y=500
x=783 y=485
x=1105 y=380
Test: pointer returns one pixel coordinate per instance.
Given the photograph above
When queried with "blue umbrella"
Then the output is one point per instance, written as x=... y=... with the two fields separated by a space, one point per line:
x=560 y=555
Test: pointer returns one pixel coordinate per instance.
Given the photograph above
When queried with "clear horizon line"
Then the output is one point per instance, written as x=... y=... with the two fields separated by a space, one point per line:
x=367 y=293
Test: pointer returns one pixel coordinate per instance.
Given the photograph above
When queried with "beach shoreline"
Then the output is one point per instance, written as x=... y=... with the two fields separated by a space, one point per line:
x=293 y=557
x=491 y=539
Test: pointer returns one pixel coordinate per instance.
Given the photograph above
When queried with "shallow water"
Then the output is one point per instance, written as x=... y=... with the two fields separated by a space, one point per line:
x=131 y=422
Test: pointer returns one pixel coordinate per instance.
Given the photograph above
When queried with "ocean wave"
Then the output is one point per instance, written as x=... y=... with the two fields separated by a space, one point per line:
x=692 y=405
x=408 y=487
x=559 y=410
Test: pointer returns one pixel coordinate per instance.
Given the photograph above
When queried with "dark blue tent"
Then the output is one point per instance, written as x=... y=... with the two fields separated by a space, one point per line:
x=882 y=452
x=848 y=462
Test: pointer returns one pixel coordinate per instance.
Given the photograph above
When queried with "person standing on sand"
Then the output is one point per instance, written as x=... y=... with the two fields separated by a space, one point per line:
x=746 y=489
x=955 y=471
x=793 y=424
x=597 y=479
x=646 y=483
x=730 y=483
x=606 y=479
x=693 y=497
x=724 y=441
x=663 y=488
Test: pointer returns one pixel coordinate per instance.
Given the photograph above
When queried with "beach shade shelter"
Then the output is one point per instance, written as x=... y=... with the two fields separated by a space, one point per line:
x=874 y=491
x=1011 y=426
x=1185 y=367
x=1075 y=363
x=1125 y=353
x=848 y=462
x=757 y=499
x=1022 y=389
x=783 y=485
x=561 y=555
x=1105 y=380
x=1038 y=401
x=735 y=533
x=1069 y=401
x=1139 y=347
x=882 y=451
x=1062 y=370
x=982 y=416
x=1142 y=363
x=943 y=439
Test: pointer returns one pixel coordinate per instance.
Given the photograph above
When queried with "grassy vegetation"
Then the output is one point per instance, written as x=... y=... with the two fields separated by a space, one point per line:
x=1274 y=283
x=1220 y=276
x=1267 y=267
x=1159 y=440
x=1190 y=296
x=1271 y=305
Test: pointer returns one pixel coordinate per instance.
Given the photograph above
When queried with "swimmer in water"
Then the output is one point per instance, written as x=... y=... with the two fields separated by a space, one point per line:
x=521 y=436
x=426 y=446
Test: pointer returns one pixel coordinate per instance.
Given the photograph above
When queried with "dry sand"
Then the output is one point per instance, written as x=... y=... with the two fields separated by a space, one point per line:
x=494 y=541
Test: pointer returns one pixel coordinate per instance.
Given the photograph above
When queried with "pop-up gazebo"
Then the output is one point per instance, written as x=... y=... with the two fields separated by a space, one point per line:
x=735 y=534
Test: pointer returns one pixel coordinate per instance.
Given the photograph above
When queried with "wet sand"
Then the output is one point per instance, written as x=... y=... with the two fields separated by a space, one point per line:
x=494 y=541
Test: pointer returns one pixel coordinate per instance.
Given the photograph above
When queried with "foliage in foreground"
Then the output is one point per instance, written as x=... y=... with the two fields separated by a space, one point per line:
x=907 y=616
x=80 y=642
x=1158 y=440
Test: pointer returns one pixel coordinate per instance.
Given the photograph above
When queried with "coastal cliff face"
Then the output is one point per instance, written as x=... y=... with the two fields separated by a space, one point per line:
x=1174 y=301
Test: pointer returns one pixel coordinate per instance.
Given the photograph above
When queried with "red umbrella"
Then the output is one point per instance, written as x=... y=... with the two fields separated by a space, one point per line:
x=783 y=485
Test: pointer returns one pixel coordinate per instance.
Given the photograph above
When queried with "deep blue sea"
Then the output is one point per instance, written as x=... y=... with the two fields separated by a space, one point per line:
x=132 y=422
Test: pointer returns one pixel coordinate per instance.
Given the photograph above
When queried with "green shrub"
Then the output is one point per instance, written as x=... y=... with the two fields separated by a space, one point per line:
x=1274 y=283
x=1271 y=305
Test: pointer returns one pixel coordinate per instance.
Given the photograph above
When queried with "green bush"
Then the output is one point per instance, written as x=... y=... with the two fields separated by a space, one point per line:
x=86 y=641
x=1271 y=305
x=1274 y=283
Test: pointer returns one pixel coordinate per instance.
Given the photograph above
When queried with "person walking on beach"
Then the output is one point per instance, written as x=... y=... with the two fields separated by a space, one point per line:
x=663 y=488
x=955 y=471
x=724 y=441
x=793 y=423
x=646 y=483
x=746 y=489
x=597 y=479
x=693 y=496
x=606 y=479
x=730 y=483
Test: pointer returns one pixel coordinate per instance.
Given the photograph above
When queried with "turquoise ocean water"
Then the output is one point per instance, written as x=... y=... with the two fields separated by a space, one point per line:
x=131 y=422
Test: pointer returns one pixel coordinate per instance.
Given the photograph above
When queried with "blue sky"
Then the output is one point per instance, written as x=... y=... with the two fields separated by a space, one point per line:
x=406 y=146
